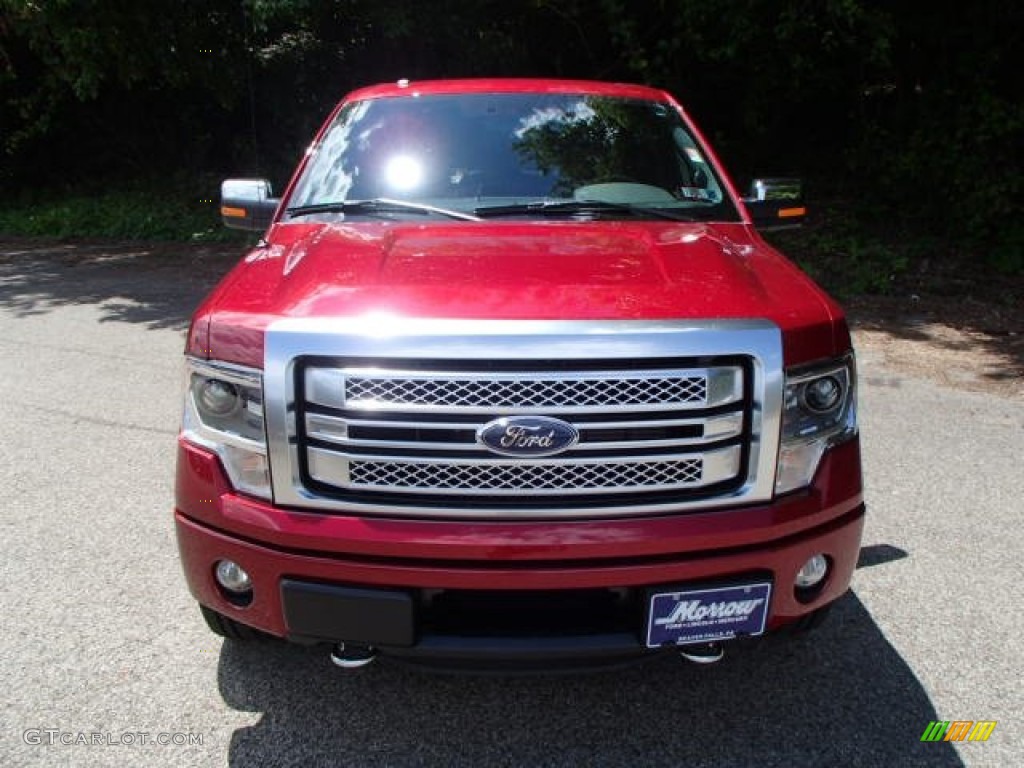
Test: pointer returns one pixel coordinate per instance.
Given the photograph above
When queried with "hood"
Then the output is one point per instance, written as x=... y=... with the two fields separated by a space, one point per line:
x=513 y=270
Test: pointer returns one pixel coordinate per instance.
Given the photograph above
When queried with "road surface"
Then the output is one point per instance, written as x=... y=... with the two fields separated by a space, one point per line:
x=104 y=652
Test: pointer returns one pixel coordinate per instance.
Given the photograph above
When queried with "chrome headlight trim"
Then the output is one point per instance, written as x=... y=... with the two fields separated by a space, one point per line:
x=238 y=437
x=807 y=433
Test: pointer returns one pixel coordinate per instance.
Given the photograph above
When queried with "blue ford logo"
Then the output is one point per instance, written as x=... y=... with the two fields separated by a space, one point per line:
x=527 y=436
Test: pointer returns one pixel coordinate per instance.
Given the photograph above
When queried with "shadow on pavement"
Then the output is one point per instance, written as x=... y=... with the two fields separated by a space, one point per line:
x=159 y=284
x=839 y=696
x=154 y=284
x=959 y=326
x=879 y=554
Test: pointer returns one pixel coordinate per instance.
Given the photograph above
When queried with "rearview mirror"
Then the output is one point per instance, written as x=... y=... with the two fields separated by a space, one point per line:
x=247 y=204
x=776 y=203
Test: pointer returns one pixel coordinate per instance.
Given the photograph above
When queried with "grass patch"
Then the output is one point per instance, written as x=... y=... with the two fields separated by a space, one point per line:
x=850 y=255
x=178 y=211
x=847 y=257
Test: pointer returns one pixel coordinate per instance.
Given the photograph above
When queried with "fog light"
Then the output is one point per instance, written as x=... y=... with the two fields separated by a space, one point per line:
x=812 y=572
x=233 y=577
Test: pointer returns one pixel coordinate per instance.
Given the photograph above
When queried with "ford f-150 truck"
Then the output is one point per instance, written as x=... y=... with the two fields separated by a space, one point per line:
x=512 y=380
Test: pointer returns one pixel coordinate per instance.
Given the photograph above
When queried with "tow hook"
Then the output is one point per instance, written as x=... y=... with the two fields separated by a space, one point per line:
x=352 y=656
x=708 y=653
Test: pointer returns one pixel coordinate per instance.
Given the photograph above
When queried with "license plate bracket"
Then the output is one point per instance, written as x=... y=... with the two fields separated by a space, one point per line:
x=687 y=616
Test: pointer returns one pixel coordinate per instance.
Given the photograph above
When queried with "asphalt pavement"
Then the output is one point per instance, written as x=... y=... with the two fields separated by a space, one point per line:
x=105 y=655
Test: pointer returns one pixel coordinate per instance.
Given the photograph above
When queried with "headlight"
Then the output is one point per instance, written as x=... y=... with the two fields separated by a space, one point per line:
x=819 y=410
x=224 y=413
x=215 y=397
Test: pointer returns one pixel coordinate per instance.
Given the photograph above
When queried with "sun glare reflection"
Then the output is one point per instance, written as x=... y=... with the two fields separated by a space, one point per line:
x=403 y=172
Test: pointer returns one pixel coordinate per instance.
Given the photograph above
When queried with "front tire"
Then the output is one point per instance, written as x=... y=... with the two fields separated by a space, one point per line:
x=221 y=625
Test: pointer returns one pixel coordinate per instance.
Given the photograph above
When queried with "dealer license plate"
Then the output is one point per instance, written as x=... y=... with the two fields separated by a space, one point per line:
x=707 y=615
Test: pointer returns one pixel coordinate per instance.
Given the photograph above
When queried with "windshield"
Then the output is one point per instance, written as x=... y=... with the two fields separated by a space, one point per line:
x=507 y=154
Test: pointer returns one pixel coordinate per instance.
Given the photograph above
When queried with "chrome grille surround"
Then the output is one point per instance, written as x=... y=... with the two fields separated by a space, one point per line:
x=389 y=412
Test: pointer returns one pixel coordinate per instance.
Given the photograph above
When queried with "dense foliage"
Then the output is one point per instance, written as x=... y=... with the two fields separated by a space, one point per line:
x=903 y=113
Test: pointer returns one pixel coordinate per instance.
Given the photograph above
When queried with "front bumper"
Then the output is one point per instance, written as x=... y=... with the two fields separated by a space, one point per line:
x=417 y=588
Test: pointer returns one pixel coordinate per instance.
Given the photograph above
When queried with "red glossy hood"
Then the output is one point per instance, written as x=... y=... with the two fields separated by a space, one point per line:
x=513 y=270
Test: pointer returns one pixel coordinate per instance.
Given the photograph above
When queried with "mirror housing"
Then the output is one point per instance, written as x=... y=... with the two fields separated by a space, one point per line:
x=247 y=204
x=776 y=203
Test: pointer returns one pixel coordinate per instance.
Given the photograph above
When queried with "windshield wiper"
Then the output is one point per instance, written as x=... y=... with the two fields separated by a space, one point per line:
x=377 y=205
x=578 y=206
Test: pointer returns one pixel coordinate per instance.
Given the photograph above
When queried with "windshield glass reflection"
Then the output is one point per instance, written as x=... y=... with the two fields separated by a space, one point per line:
x=464 y=151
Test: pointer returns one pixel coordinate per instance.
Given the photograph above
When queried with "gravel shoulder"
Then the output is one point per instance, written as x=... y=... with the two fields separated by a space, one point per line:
x=968 y=343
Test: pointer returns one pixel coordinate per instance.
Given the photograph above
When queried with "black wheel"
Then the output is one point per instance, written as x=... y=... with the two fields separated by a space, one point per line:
x=811 y=621
x=221 y=625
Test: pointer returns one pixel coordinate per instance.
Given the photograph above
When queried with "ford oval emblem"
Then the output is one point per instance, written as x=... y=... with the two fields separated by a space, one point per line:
x=527 y=436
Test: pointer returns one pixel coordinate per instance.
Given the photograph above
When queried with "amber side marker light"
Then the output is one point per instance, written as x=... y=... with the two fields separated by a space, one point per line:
x=788 y=213
x=233 y=212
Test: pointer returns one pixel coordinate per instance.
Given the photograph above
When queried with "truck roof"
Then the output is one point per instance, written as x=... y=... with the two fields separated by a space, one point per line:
x=506 y=85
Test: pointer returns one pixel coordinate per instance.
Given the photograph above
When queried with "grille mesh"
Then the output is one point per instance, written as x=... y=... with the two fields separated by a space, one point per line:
x=525 y=393
x=524 y=477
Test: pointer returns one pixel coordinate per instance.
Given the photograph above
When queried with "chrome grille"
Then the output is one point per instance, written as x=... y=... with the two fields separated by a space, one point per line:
x=415 y=433
x=388 y=415
x=549 y=476
x=483 y=391
x=534 y=392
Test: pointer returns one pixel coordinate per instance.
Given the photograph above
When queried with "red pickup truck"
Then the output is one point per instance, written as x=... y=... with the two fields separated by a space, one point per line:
x=512 y=380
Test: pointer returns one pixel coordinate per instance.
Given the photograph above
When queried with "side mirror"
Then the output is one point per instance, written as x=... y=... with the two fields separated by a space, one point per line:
x=247 y=204
x=776 y=203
